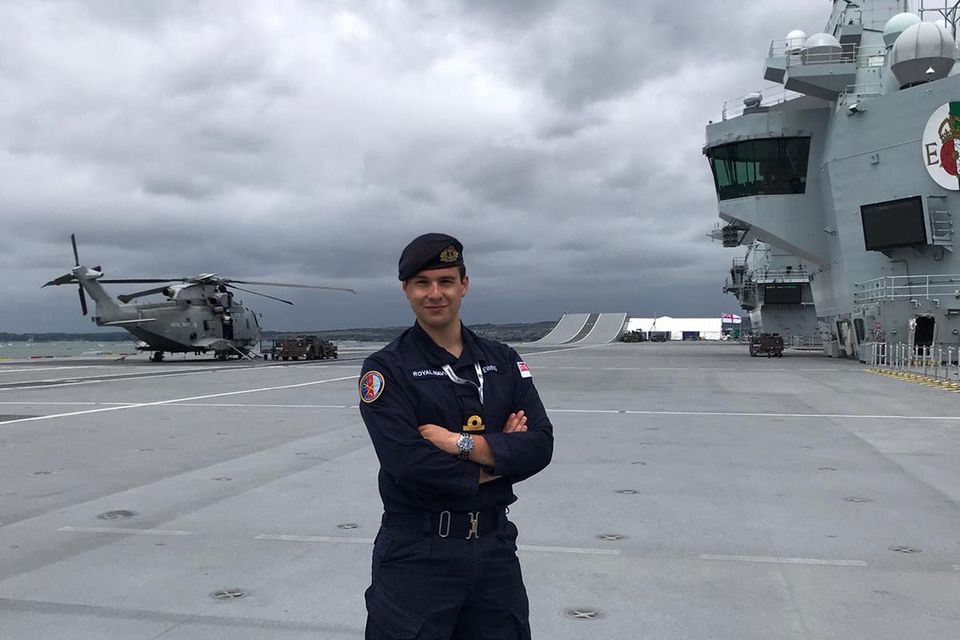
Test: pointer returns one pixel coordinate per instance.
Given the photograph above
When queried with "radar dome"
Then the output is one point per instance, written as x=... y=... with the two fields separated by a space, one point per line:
x=922 y=53
x=821 y=47
x=897 y=25
x=795 y=40
x=947 y=26
x=753 y=99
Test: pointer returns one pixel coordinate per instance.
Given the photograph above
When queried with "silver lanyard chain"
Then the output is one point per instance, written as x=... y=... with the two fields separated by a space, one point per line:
x=447 y=369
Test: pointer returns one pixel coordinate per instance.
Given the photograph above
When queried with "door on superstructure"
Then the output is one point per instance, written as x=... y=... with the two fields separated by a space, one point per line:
x=923 y=331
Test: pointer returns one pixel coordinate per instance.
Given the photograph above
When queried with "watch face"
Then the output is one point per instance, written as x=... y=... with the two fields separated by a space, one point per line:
x=465 y=445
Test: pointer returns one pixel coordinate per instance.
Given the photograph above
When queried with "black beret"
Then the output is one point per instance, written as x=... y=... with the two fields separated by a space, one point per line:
x=430 y=251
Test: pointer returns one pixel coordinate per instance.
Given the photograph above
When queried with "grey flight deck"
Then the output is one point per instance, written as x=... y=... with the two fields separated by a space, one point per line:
x=695 y=492
x=608 y=327
x=567 y=329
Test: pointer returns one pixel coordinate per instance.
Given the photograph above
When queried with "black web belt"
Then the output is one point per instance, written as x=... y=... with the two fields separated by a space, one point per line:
x=449 y=524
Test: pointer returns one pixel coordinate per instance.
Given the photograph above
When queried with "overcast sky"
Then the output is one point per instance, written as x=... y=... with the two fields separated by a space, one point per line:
x=310 y=140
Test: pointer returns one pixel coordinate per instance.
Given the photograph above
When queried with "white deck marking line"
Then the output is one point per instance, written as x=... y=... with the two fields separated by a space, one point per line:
x=343 y=540
x=27 y=368
x=264 y=406
x=61 y=404
x=291 y=538
x=138 y=376
x=99 y=379
x=185 y=404
x=667 y=369
x=575 y=550
x=756 y=415
x=776 y=560
x=585 y=411
x=176 y=400
x=956 y=567
x=118 y=376
x=540 y=353
x=139 y=532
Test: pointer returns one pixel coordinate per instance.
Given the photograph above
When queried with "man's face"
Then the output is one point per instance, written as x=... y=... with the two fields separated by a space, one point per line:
x=435 y=296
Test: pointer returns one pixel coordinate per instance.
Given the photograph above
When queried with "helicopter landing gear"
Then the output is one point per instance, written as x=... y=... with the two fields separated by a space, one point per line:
x=157 y=356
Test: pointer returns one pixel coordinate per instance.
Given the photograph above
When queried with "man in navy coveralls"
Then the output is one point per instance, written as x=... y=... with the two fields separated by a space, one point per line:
x=455 y=421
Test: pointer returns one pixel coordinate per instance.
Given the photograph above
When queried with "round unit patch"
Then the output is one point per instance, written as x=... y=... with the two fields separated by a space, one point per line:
x=371 y=386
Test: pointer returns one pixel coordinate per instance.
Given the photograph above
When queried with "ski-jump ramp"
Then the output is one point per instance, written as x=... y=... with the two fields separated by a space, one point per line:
x=608 y=327
x=585 y=329
x=567 y=329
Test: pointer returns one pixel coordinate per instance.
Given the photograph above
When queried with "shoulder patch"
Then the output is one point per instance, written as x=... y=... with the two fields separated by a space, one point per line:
x=371 y=386
x=524 y=370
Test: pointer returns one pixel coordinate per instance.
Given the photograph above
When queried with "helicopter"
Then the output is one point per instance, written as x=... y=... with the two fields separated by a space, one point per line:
x=199 y=316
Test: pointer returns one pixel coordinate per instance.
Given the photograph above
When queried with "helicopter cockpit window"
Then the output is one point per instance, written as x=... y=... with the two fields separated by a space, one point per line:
x=772 y=166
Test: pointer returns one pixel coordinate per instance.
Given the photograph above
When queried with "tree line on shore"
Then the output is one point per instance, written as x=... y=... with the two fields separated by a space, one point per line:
x=510 y=332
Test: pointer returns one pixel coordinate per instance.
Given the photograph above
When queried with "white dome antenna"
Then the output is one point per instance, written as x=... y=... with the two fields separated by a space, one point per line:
x=922 y=53
x=897 y=25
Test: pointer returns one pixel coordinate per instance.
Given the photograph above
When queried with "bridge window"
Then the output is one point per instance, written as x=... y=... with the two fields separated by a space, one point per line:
x=772 y=166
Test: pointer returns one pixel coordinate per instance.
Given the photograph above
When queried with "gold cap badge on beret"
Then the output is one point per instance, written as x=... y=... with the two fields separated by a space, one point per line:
x=450 y=254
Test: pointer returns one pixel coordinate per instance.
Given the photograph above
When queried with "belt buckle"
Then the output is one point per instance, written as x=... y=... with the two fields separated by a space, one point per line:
x=444 y=529
x=474 y=520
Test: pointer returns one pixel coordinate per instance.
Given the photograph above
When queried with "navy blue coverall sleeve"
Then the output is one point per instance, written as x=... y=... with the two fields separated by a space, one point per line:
x=405 y=455
x=517 y=456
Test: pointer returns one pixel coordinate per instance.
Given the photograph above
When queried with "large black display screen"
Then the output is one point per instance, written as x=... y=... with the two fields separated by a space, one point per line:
x=892 y=224
x=782 y=294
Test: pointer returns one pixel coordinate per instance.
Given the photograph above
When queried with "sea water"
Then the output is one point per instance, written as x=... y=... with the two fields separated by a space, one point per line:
x=20 y=350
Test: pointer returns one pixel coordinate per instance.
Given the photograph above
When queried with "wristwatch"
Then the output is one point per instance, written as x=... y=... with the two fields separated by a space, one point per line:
x=465 y=446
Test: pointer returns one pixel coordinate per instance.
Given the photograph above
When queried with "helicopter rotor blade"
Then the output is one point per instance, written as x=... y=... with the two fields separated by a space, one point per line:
x=138 y=280
x=127 y=297
x=83 y=300
x=76 y=256
x=64 y=279
x=289 y=284
x=257 y=293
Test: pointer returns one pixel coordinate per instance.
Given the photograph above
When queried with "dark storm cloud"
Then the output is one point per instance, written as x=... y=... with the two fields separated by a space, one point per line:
x=310 y=141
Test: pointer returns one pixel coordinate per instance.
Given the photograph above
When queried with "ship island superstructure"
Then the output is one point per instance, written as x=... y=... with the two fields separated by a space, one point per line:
x=773 y=287
x=854 y=171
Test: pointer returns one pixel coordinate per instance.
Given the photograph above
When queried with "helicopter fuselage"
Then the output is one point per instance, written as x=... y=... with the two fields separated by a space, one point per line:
x=200 y=314
x=196 y=318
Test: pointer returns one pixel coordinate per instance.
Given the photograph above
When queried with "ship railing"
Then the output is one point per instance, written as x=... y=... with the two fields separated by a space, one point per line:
x=933 y=363
x=927 y=287
x=802 y=56
x=855 y=92
x=863 y=56
x=768 y=276
x=805 y=341
x=770 y=96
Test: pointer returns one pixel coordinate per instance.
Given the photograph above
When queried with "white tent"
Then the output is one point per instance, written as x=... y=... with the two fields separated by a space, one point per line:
x=704 y=328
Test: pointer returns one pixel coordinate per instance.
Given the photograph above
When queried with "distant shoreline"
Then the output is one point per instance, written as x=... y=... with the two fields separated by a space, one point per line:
x=511 y=332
